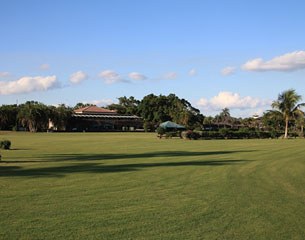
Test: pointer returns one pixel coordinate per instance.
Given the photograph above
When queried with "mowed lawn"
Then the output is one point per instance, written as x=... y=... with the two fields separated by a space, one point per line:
x=135 y=186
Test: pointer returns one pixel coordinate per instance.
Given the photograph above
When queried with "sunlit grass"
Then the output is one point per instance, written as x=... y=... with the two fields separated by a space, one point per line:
x=136 y=186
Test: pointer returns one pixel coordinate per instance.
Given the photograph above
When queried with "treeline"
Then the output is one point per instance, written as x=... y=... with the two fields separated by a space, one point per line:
x=35 y=116
x=157 y=109
x=286 y=116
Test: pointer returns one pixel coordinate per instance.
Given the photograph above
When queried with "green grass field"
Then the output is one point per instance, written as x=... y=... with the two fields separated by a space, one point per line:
x=135 y=186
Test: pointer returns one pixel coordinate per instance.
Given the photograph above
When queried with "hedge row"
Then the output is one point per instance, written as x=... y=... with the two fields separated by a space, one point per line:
x=229 y=134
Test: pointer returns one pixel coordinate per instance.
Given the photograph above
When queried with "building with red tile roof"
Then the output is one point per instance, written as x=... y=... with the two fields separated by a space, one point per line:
x=94 y=110
x=97 y=119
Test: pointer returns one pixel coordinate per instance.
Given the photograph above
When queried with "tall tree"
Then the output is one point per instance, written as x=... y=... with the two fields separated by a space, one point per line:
x=156 y=109
x=225 y=116
x=273 y=121
x=8 y=117
x=34 y=116
x=59 y=116
x=125 y=105
x=287 y=104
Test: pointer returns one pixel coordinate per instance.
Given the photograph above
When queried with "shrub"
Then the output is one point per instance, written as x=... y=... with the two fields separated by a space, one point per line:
x=243 y=133
x=161 y=131
x=274 y=134
x=173 y=134
x=170 y=134
x=190 y=135
x=5 y=144
x=225 y=133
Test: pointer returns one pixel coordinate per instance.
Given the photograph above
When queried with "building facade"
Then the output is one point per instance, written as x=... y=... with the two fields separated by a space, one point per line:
x=96 y=119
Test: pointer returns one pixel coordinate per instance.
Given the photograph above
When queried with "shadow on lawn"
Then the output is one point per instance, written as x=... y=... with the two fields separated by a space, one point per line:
x=60 y=171
x=78 y=157
x=122 y=156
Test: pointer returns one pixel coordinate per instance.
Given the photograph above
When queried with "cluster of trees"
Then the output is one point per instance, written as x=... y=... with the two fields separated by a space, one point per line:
x=33 y=116
x=286 y=115
x=157 y=109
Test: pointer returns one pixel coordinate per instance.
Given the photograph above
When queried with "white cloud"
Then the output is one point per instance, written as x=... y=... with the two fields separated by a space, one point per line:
x=111 y=77
x=78 y=77
x=45 y=66
x=102 y=102
x=192 y=72
x=228 y=71
x=232 y=101
x=137 y=76
x=287 y=62
x=170 y=75
x=4 y=74
x=28 y=84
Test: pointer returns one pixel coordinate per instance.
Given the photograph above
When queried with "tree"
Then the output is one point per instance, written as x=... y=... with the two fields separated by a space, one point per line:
x=287 y=104
x=82 y=105
x=208 y=121
x=152 y=109
x=273 y=122
x=34 y=116
x=59 y=116
x=300 y=122
x=125 y=105
x=8 y=117
x=225 y=116
x=157 y=109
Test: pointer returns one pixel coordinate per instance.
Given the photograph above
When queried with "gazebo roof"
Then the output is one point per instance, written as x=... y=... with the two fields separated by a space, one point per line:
x=169 y=124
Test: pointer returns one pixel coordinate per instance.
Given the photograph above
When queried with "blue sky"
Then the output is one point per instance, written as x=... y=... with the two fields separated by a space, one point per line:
x=215 y=54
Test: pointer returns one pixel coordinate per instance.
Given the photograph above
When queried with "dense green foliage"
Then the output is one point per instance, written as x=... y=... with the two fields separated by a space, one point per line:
x=33 y=116
x=157 y=109
x=8 y=117
x=286 y=115
x=5 y=144
x=191 y=135
x=136 y=186
x=160 y=131
x=60 y=116
x=287 y=104
x=126 y=106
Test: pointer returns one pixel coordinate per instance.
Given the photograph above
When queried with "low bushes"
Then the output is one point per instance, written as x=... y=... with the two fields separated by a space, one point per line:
x=160 y=131
x=5 y=144
x=224 y=133
x=242 y=133
x=191 y=135
x=173 y=134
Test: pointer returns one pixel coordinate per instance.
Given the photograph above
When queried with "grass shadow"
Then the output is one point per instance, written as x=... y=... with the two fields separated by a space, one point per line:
x=60 y=171
x=122 y=156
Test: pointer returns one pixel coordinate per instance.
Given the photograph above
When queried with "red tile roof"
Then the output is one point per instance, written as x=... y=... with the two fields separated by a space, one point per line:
x=94 y=110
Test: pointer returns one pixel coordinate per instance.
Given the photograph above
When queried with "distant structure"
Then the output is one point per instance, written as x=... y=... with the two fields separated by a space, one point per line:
x=168 y=125
x=97 y=119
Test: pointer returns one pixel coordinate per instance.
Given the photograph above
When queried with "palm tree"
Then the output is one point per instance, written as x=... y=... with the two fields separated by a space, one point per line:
x=225 y=116
x=287 y=104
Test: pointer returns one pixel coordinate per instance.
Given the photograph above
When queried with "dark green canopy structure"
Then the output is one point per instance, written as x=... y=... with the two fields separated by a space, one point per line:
x=171 y=125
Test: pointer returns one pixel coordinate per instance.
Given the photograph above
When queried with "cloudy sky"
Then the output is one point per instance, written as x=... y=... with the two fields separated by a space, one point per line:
x=214 y=53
